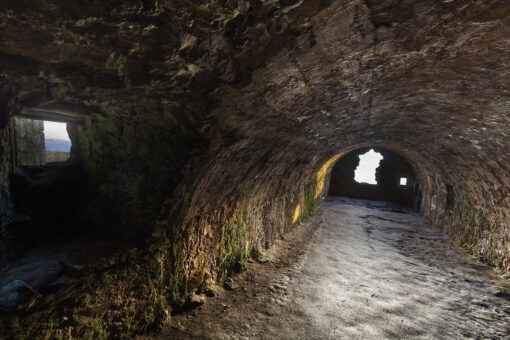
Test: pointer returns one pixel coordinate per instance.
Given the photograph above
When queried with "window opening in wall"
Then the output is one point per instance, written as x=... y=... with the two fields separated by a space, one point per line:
x=57 y=142
x=449 y=197
x=39 y=142
x=403 y=181
x=368 y=164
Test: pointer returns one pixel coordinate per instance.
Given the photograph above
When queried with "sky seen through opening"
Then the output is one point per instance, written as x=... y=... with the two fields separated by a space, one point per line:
x=368 y=163
x=54 y=130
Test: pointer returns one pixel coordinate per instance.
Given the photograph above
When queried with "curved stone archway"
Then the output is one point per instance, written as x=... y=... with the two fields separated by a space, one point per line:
x=387 y=174
x=207 y=131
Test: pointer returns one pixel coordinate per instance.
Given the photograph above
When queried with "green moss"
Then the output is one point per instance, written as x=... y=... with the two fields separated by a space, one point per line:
x=233 y=245
x=256 y=254
x=122 y=297
x=310 y=201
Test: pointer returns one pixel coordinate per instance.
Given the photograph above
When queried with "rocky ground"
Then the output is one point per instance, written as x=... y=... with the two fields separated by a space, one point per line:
x=48 y=267
x=358 y=269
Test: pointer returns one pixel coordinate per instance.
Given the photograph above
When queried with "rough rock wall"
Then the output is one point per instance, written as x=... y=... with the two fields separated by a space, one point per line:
x=269 y=93
x=152 y=98
x=149 y=83
x=135 y=158
x=8 y=105
x=391 y=168
x=258 y=201
x=413 y=84
x=30 y=148
x=4 y=189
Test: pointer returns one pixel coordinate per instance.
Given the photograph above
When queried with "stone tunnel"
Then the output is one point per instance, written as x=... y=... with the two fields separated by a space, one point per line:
x=206 y=135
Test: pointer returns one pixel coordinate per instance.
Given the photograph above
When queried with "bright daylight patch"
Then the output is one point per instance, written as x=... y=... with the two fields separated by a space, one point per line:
x=55 y=131
x=368 y=163
x=403 y=181
x=56 y=141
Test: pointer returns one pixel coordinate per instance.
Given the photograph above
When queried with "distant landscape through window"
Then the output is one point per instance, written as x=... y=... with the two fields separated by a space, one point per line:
x=57 y=141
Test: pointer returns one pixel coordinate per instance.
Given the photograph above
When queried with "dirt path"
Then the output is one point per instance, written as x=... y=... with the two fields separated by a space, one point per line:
x=358 y=269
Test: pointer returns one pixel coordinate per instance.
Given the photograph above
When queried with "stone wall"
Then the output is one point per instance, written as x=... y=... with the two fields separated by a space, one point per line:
x=5 y=201
x=7 y=107
x=135 y=161
x=214 y=123
x=30 y=148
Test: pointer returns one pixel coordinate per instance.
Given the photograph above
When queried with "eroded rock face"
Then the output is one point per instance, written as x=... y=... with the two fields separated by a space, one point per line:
x=214 y=126
x=415 y=87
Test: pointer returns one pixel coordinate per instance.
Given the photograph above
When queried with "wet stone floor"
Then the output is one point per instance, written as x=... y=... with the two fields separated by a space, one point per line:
x=357 y=269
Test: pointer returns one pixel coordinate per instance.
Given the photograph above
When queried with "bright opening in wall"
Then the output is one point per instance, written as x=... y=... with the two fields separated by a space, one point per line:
x=403 y=181
x=57 y=142
x=368 y=164
x=39 y=142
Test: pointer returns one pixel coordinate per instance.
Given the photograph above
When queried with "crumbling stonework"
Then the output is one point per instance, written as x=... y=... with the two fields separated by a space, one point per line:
x=211 y=123
x=30 y=148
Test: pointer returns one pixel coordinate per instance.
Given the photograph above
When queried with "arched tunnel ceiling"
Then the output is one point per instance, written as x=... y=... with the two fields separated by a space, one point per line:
x=442 y=76
x=428 y=79
x=358 y=70
x=217 y=118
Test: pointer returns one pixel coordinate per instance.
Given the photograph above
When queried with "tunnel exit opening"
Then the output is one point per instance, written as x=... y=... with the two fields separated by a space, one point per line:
x=375 y=174
x=368 y=165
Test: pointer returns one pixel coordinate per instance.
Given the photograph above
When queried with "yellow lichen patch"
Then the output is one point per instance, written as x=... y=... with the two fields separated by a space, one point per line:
x=321 y=174
x=297 y=213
